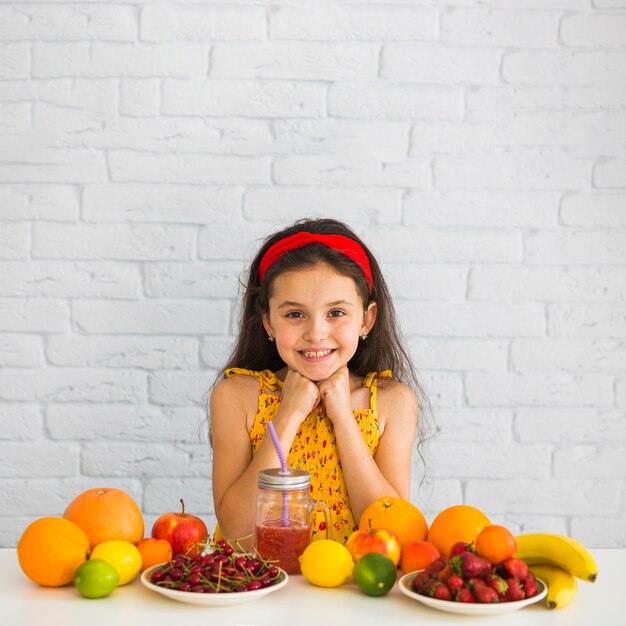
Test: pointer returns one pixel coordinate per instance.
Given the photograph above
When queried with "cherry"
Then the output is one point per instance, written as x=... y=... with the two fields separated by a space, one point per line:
x=241 y=563
x=221 y=571
x=220 y=558
x=176 y=574
x=253 y=585
x=157 y=576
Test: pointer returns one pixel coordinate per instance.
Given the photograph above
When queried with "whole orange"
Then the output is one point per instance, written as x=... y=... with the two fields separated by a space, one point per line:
x=106 y=514
x=51 y=549
x=460 y=522
x=154 y=552
x=417 y=555
x=398 y=515
x=495 y=543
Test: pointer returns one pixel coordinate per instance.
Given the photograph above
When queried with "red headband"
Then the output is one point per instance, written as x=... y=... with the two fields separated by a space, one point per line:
x=348 y=247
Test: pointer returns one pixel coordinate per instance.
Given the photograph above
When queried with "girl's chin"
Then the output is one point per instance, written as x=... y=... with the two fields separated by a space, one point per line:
x=317 y=372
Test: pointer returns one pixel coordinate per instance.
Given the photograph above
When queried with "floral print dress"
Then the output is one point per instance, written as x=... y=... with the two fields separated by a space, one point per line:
x=315 y=449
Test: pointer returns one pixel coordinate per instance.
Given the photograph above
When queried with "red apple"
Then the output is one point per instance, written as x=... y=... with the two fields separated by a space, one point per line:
x=382 y=540
x=182 y=530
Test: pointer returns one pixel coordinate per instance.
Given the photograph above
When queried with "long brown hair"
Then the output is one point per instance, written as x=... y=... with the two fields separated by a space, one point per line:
x=383 y=348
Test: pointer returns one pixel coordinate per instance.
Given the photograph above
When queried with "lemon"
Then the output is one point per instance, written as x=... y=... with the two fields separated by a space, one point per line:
x=326 y=563
x=122 y=555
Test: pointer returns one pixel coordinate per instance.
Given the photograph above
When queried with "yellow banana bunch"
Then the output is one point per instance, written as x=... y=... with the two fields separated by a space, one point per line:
x=561 y=584
x=559 y=550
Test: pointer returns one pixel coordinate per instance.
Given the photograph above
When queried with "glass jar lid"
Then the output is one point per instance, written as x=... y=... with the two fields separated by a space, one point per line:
x=294 y=479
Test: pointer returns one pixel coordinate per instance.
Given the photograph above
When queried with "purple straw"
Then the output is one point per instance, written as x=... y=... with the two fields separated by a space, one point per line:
x=279 y=450
x=283 y=469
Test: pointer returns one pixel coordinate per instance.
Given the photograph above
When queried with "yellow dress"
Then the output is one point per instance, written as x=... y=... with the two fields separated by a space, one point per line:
x=314 y=448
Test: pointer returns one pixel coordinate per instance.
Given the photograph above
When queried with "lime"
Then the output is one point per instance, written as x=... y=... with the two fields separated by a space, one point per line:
x=326 y=563
x=122 y=555
x=375 y=574
x=96 y=578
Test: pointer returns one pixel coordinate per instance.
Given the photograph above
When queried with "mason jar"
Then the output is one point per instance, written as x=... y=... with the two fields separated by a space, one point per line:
x=284 y=516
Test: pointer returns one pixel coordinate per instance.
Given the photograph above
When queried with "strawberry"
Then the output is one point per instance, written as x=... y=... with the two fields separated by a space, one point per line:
x=437 y=565
x=440 y=591
x=514 y=592
x=459 y=547
x=419 y=580
x=445 y=573
x=483 y=593
x=470 y=564
x=515 y=568
x=497 y=583
x=454 y=582
x=427 y=584
x=464 y=595
x=530 y=585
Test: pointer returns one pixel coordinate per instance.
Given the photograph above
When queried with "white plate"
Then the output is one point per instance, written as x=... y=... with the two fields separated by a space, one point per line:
x=468 y=608
x=213 y=599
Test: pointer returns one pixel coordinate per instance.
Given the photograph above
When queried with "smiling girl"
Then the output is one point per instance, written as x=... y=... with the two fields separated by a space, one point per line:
x=324 y=363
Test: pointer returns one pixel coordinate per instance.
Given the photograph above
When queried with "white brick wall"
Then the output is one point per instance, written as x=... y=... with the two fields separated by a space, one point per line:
x=479 y=146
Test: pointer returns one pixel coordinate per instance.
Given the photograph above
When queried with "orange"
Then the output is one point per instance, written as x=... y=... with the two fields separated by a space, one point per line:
x=495 y=543
x=154 y=552
x=417 y=555
x=456 y=523
x=51 y=549
x=397 y=515
x=106 y=514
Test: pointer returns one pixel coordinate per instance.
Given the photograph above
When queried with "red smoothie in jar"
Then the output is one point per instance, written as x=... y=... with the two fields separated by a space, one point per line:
x=283 y=543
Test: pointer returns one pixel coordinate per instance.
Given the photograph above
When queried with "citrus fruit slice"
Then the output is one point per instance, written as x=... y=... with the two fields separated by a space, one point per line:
x=375 y=574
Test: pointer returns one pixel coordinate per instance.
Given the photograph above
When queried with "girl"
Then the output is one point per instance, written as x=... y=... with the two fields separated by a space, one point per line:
x=318 y=338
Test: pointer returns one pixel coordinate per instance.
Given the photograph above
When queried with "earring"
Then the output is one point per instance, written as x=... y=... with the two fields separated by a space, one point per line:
x=364 y=336
x=270 y=338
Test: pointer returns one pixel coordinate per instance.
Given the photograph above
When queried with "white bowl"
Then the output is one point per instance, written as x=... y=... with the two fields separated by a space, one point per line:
x=468 y=608
x=212 y=599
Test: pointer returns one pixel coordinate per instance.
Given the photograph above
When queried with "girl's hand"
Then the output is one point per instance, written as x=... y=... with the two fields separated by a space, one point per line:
x=300 y=396
x=336 y=396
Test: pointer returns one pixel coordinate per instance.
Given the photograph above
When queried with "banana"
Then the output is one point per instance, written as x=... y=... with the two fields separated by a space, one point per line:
x=559 y=550
x=561 y=584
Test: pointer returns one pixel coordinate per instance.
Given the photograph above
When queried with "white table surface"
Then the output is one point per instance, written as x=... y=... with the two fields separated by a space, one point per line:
x=22 y=603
